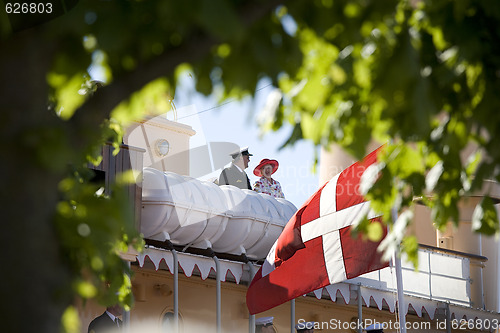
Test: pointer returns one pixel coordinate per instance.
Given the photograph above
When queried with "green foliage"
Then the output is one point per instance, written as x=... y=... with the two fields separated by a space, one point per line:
x=71 y=321
x=419 y=76
x=409 y=246
x=415 y=75
x=153 y=99
x=94 y=228
x=485 y=218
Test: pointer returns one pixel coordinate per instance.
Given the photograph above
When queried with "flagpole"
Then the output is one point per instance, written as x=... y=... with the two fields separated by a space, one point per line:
x=360 y=310
x=292 y=315
x=251 y=317
x=399 y=281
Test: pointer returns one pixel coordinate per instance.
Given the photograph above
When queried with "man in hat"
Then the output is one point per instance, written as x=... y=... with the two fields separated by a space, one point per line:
x=264 y=325
x=235 y=173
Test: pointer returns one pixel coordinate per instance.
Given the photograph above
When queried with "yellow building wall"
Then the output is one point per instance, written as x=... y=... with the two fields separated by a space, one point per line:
x=197 y=304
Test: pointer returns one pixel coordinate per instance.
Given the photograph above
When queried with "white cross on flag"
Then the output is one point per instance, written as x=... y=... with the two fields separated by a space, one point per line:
x=316 y=248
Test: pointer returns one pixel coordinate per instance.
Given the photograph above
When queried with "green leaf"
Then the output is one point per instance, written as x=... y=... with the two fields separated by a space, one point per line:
x=71 y=320
x=69 y=93
x=375 y=231
x=153 y=99
x=485 y=218
x=219 y=18
x=410 y=247
x=86 y=289
x=405 y=161
x=295 y=136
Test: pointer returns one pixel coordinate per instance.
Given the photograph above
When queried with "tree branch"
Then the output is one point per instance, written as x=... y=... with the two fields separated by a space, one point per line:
x=99 y=106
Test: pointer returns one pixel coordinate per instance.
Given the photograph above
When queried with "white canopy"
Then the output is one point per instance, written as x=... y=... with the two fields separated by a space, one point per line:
x=226 y=219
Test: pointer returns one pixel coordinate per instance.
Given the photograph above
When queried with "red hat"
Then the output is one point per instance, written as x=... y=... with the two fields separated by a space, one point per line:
x=265 y=161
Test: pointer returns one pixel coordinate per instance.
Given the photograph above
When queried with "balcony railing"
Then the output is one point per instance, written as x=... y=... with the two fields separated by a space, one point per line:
x=441 y=275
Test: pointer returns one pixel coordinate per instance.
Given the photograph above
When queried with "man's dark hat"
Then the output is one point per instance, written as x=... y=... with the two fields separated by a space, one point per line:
x=242 y=151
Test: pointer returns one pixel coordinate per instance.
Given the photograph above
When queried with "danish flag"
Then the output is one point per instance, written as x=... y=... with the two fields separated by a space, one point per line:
x=316 y=247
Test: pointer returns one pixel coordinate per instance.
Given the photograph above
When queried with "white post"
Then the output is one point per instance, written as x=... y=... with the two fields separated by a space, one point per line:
x=448 y=317
x=176 y=290
x=218 y=295
x=481 y=278
x=126 y=314
x=401 y=304
x=399 y=281
x=251 y=318
x=360 y=309
x=498 y=280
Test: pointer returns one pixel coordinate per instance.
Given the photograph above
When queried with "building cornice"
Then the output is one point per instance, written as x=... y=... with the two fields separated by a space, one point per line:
x=168 y=125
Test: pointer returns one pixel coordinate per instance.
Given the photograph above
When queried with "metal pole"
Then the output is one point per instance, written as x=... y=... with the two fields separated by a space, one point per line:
x=448 y=318
x=360 y=309
x=292 y=316
x=399 y=281
x=126 y=314
x=217 y=296
x=176 y=291
x=481 y=282
x=251 y=318
x=401 y=305
x=126 y=321
x=498 y=274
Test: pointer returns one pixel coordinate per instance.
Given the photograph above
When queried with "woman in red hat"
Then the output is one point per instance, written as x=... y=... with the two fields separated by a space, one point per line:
x=266 y=184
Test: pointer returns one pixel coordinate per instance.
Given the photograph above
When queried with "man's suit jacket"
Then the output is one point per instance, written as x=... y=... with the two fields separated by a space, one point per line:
x=233 y=176
x=104 y=324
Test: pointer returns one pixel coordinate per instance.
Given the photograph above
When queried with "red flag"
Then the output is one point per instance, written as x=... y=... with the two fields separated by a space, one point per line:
x=316 y=248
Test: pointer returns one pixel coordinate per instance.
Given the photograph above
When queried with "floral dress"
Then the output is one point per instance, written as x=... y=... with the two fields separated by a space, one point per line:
x=271 y=187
